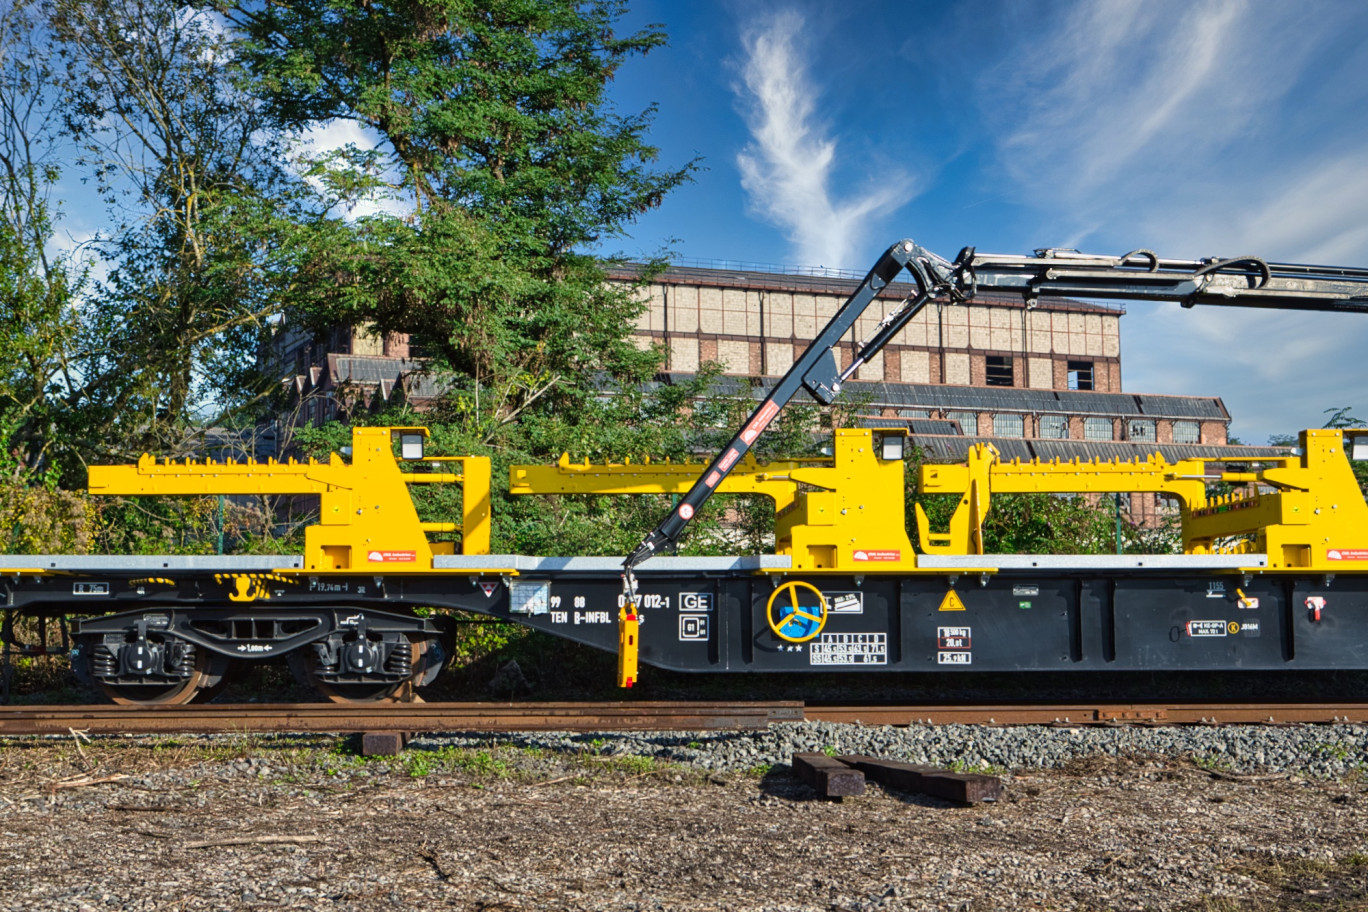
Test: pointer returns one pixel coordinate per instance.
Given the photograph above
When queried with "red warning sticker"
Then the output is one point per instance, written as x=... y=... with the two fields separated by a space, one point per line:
x=1353 y=554
x=865 y=554
x=760 y=422
x=387 y=557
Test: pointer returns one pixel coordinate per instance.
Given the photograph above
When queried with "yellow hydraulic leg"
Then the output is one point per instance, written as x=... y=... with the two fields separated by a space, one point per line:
x=628 y=622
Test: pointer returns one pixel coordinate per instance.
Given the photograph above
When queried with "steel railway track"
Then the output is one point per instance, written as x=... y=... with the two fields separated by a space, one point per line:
x=496 y=717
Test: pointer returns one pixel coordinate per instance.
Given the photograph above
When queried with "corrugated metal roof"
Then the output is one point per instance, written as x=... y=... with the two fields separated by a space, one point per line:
x=362 y=369
x=924 y=426
x=990 y=398
x=1076 y=402
x=838 y=285
x=1182 y=407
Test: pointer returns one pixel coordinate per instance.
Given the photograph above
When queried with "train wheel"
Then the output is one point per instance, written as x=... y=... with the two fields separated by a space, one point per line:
x=306 y=671
x=160 y=692
x=361 y=693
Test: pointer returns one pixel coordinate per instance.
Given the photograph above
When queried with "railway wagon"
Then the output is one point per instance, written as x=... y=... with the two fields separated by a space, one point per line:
x=1272 y=576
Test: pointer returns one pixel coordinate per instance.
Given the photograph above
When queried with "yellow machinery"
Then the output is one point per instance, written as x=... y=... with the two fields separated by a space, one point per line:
x=367 y=520
x=845 y=513
x=840 y=513
x=1303 y=512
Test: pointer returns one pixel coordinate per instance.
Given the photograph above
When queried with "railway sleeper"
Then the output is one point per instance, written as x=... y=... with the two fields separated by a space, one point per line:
x=171 y=655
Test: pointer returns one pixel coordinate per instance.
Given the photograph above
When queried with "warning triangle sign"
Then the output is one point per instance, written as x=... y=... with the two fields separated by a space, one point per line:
x=489 y=588
x=951 y=602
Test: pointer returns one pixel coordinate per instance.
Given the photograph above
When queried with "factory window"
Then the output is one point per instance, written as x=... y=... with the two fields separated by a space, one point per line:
x=968 y=421
x=998 y=370
x=1140 y=431
x=1097 y=429
x=1187 y=432
x=1081 y=375
x=1054 y=426
x=914 y=413
x=1009 y=425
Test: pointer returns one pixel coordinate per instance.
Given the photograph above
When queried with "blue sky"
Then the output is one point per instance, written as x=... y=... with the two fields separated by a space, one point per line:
x=1194 y=129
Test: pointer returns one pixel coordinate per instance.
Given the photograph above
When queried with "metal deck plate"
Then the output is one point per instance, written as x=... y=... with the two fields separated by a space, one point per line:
x=1092 y=561
x=524 y=563
x=111 y=563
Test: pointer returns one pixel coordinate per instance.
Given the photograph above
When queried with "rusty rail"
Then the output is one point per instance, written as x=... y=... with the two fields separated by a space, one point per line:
x=413 y=717
x=1110 y=714
x=588 y=717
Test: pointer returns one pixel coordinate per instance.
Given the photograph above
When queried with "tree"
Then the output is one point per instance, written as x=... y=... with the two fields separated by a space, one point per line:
x=505 y=168
x=36 y=286
x=202 y=214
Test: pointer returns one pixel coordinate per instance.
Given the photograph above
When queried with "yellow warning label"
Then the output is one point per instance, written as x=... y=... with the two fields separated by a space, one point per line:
x=951 y=602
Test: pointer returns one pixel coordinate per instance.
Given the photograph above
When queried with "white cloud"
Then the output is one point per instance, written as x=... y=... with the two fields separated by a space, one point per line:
x=788 y=166
x=1277 y=371
x=1215 y=128
x=334 y=135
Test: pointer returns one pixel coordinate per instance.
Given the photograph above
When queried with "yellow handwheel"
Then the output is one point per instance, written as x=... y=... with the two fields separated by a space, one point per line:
x=802 y=612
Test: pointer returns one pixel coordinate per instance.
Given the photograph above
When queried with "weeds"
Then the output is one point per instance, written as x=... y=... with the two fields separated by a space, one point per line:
x=963 y=765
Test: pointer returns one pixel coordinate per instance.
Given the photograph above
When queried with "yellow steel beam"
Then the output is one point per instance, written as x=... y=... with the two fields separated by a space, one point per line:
x=775 y=480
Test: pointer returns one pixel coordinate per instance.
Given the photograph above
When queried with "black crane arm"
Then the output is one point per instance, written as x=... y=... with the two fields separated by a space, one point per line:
x=816 y=371
x=1139 y=275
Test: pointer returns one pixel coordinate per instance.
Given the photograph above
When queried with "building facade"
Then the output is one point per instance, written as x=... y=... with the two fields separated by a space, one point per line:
x=1035 y=380
x=991 y=368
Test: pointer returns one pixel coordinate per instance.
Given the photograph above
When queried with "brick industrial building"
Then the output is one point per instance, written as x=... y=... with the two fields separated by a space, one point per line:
x=1041 y=381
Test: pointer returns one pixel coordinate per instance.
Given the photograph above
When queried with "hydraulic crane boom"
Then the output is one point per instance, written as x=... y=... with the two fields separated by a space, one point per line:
x=1139 y=275
x=1142 y=276
x=816 y=371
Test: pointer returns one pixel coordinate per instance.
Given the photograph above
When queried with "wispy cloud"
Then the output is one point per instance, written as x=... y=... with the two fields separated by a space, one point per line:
x=1125 y=105
x=787 y=169
x=1211 y=128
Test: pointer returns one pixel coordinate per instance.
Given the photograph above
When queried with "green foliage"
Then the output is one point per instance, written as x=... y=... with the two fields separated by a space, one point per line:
x=37 y=289
x=509 y=166
x=1343 y=418
x=35 y=333
x=201 y=210
x=38 y=518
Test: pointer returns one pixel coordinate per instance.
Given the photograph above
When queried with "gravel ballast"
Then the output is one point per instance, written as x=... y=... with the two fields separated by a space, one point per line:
x=1194 y=818
x=1312 y=750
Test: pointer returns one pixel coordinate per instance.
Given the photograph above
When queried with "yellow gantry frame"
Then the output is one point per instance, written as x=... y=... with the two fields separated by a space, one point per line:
x=367 y=520
x=843 y=513
x=1304 y=512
